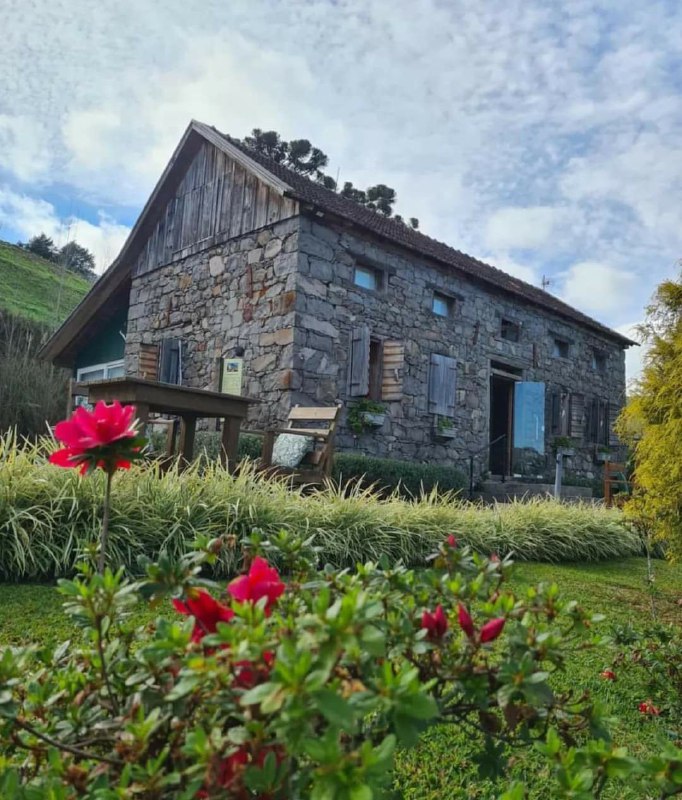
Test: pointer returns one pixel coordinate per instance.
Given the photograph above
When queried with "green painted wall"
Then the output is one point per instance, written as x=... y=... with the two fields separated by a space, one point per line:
x=107 y=345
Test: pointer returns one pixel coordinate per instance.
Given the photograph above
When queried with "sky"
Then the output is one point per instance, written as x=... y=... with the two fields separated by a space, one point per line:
x=544 y=137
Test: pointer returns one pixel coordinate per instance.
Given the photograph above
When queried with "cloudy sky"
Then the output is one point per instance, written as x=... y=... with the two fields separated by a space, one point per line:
x=542 y=136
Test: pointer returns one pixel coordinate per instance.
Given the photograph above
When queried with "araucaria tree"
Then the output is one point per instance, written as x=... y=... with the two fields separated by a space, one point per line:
x=652 y=422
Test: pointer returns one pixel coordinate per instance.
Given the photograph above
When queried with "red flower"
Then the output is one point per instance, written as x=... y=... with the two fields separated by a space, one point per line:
x=262 y=580
x=248 y=674
x=649 y=708
x=608 y=675
x=494 y=558
x=492 y=629
x=205 y=609
x=452 y=540
x=436 y=624
x=105 y=437
x=465 y=621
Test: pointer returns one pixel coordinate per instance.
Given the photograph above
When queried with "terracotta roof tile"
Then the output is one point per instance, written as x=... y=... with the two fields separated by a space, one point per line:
x=307 y=191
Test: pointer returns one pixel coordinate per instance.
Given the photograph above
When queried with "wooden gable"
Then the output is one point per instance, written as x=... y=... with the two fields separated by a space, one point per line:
x=216 y=199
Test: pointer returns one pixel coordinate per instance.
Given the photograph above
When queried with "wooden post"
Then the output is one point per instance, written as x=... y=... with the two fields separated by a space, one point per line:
x=268 y=445
x=188 y=428
x=230 y=443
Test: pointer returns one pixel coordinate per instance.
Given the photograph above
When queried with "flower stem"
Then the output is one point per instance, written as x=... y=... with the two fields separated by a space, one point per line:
x=105 y=525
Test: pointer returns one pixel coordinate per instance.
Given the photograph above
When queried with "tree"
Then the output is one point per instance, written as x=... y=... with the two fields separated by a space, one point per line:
x=651 y=423
x=43 y=246
x=77 y=258
x=305 y=159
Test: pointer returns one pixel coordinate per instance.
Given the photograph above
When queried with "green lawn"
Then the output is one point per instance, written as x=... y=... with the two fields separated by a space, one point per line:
x=37 y=289
x=443 y=765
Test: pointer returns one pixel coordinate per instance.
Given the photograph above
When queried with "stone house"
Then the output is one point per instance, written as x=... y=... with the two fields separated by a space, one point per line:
x=320 y=300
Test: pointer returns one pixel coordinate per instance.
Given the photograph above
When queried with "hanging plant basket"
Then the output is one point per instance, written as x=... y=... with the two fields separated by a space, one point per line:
x=373 y=419
x=566 y=451
x=602 y=456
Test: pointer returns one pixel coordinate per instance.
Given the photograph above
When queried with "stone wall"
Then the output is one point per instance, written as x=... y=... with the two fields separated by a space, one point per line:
x=238 y=294
x=329 y=306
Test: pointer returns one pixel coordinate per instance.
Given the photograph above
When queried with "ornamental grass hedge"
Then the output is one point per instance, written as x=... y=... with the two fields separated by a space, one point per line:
x=49 y=516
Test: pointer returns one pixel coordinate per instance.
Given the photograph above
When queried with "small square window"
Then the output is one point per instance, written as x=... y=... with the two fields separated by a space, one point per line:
x=441 y=305
x=598 y=361
x=367 y=278
x=560 y=348
x=509 y=330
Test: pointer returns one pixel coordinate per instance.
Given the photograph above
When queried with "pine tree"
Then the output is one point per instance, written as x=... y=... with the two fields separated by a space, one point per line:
x=77 y=258
x=43 y=246
x=652 y=423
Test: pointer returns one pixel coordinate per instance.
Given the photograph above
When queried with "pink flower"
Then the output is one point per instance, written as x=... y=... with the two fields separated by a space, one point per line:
x=465 y=621
x=105 y=437
x=205 y=609
x=608 y=675
x=436 y=624
x=452 y=541
x=649 y=708
x=492 y=629
x=262 y=580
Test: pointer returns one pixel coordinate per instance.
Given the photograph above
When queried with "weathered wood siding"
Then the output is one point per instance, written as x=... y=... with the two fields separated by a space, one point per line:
x=217 y=199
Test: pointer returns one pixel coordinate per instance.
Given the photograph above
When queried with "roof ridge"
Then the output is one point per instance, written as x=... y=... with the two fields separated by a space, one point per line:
x=310 y=191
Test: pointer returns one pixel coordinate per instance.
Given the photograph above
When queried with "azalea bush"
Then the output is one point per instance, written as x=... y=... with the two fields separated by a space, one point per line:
x=293 y=682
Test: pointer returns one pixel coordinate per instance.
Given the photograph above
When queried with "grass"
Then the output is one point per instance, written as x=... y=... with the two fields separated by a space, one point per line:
x=48 y=515
x=36 y=289
x=443 y=764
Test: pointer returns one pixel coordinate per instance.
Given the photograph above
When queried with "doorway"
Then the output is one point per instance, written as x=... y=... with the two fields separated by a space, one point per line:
x=501 y=424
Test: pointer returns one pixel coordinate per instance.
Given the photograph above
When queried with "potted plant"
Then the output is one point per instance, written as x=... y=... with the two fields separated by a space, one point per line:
x=602 y=453
x=366 y=414
x=563 y=445
x=444 y=428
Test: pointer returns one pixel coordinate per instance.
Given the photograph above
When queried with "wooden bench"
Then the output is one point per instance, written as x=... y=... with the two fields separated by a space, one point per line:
x=320 y=423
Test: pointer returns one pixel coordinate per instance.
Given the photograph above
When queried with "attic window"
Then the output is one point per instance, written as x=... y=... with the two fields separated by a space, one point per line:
x=441 y=305
x=510 y=330
x=367 y=277
x=598 y=360
x=560 y=348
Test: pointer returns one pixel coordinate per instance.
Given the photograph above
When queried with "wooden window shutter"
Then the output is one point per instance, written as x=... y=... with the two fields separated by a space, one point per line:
x=565 y=414
x=442 y=384
x=359 y=362
x=603 y=423
x=614 y=411
x=577 y=417
x=148 y=362
x=170 y=361
x=555 y=413
x=392 y=372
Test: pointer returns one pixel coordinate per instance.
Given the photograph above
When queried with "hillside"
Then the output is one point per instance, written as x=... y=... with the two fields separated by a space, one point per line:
x=36 y=289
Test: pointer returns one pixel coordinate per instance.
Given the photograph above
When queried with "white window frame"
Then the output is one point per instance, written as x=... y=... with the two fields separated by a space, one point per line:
x=367 y=270
x=108 y=365
x=447 y=303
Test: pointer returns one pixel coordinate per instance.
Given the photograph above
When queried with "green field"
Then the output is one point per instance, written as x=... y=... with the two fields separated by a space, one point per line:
x=443 y=764
x=36 y=289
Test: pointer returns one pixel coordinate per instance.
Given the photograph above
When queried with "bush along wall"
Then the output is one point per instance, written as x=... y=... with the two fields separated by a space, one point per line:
x=49 y=516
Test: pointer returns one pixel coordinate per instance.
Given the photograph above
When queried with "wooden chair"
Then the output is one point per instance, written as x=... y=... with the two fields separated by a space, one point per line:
x=318 y=422
x=615 y=478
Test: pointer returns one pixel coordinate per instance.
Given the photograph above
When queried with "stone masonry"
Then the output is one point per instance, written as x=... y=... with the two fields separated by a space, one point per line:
x=285 y=294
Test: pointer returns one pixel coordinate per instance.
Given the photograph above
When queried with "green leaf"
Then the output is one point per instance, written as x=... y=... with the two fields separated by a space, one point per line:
x=334 y=708
x=418 y=706
x=362 y=792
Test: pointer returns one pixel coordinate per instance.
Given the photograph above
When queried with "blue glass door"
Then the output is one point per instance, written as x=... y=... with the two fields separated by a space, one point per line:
x=529 y=428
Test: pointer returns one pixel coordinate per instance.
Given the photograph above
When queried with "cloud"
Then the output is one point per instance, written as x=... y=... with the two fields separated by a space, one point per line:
x=536 y=135
x=598 y=288
x=522 y=228
x=26 y=217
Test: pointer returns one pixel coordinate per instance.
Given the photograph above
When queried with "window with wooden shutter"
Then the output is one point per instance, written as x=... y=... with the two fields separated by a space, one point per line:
x=170 y=361
x=359 y=362
x=577 y=417
x=603 y=430
x=392 y=371
x=560 y=413
x=442 y=383
x=148 y=362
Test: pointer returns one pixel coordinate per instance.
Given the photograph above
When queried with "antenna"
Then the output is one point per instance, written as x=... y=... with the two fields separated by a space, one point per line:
x=545 y=282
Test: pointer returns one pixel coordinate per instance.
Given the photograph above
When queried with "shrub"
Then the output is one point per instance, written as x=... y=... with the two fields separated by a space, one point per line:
x=32 y=392
x=302 y=690
x=387 y=475
x=49 y=516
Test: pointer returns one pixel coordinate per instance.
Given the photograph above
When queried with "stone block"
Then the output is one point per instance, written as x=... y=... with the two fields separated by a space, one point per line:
x=263 y=362
x=272 y=248
x=311 y=323
x=254 y=256
x=320 y=268
x=216 y=266
x=264 y=237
